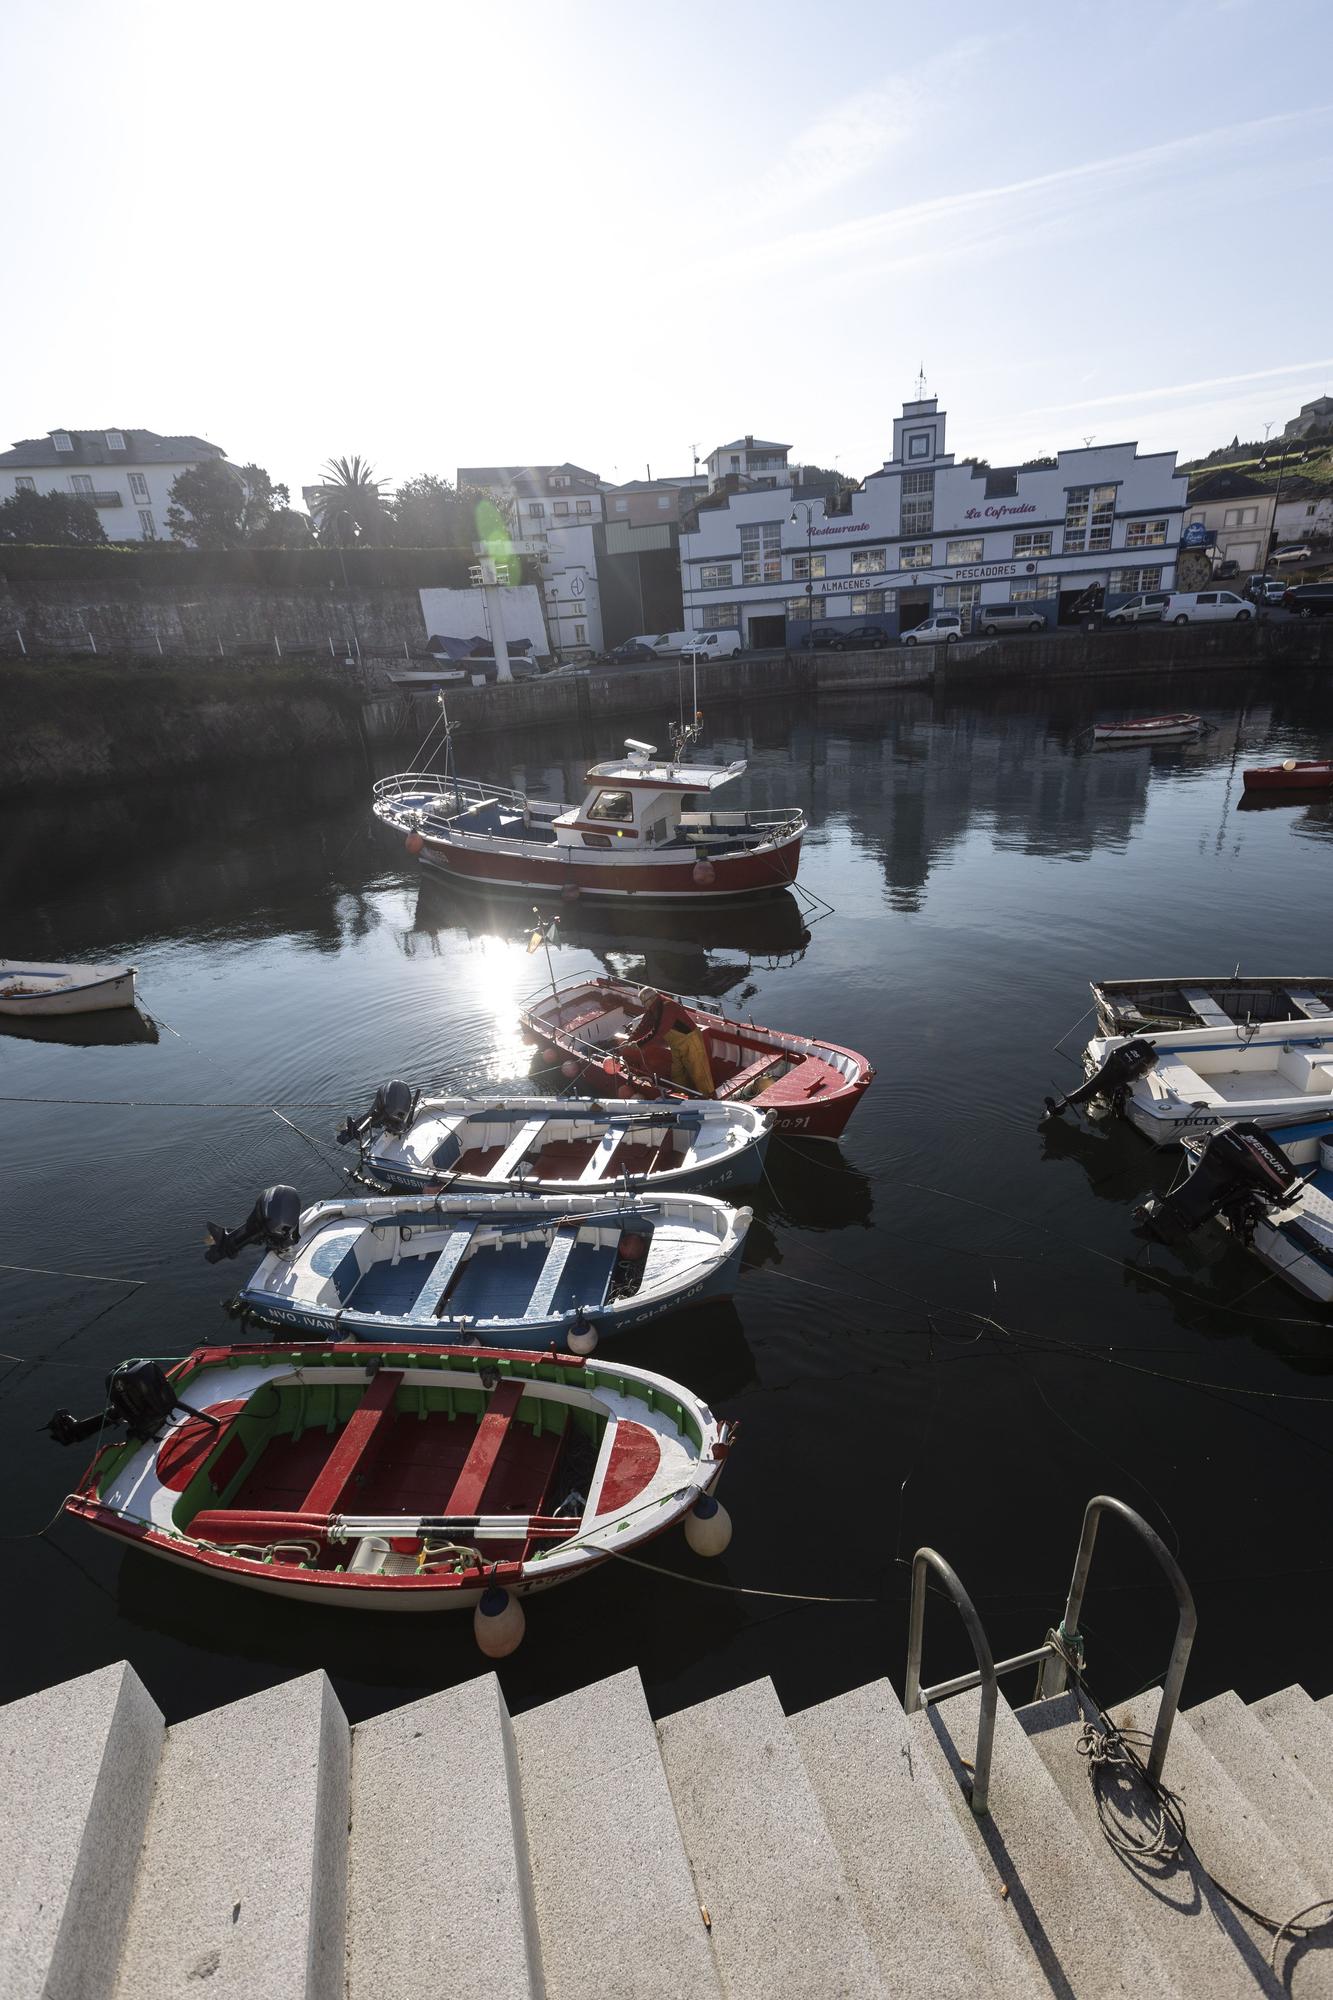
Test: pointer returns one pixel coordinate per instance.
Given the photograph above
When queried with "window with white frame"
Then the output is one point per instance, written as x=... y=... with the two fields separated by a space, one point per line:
x=761 y=552
x=583 y=506
x=1145 y=535
x=537 y=510
x=720 y=618
x=62 y=440
x=560 y=507
x=1033 y=543
x=1131 y=580
x=969 y=550
x=147 y=525
x=715 y=576
x=560 y=479
x=803 y=568
x=81 y=483
x=138 y=486
x=869 y=562
x=870 y=604
x=1026 y=589
x=1089 y=514
x=23 y=484
x=805 y=607
x=115 y=441
x=960 y=597
x=918 y=503
x=1240 y=517
x=916 y=555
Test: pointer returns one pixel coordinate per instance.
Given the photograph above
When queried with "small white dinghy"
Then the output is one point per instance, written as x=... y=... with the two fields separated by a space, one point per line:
x=1195 y=1079
x=51 y=990
x=555 y=1145
x=1272 y=1189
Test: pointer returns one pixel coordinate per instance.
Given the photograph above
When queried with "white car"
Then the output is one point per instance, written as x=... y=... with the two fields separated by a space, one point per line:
x=712 y=646
x=944 y=627
x=1185 y=607
x=1147 y=604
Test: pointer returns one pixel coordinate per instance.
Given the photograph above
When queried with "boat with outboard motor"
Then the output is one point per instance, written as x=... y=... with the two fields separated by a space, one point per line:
x=46 y=992
x=1273 y=1189
x=657 y=1045
x=1140 y=1006
x=392 y=1479
x=554 y=1145
x=519 y=1270
x=1149 y=729
x=636 y=833
x=1195 y=1079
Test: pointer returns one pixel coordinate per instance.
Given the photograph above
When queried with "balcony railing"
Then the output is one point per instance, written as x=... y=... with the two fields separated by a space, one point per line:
x=100 y=499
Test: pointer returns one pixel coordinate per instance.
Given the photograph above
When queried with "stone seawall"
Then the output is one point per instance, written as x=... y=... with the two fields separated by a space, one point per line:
x=207 y=621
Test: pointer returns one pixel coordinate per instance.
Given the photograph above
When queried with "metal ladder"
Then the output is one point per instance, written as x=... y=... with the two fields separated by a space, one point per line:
x=1052 y=1657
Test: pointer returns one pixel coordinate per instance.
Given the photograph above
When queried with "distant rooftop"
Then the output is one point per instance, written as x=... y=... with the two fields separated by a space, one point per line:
x=89 y=447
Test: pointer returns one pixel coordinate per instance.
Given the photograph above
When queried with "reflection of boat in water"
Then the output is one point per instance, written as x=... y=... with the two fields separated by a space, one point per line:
x=86 y=1031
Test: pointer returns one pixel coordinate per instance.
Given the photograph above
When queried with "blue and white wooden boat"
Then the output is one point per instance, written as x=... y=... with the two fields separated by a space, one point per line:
x=556 y=1145
x=519 y=1271
x=49 y=991
x=1272 y=1188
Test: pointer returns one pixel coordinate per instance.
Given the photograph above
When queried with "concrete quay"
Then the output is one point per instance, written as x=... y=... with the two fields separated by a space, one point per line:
x=580 y=1851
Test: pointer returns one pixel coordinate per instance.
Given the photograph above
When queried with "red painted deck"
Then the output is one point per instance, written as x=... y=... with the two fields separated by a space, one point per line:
x=364 y=1430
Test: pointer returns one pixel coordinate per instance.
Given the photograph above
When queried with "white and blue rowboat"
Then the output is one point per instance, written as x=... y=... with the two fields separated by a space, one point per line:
x=519 y=1271
x=1273 y=1189
x=1196 y=1079
x=49 y=991
x=556 y=1145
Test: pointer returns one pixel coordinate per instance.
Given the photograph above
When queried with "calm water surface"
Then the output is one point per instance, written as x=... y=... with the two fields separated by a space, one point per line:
x=892 y=1353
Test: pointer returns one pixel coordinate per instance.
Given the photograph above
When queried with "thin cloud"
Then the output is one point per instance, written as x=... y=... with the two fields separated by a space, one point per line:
x=1310 y=368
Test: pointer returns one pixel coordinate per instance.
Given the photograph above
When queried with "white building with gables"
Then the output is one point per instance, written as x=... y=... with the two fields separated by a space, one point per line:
x=925 y=534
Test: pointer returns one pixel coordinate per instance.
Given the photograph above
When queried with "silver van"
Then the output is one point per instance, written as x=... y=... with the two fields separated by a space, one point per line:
x=996 y=618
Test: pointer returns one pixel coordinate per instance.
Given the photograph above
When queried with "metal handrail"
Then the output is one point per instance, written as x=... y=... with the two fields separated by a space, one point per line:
x=990 y=1688
x=401 y=782
x=1054 y=1675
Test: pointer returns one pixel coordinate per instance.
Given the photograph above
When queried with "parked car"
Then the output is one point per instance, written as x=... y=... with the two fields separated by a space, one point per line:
x=712 y=646
x=1136 y=610
x=1188 y=607
x=1226 y=569
x=1296 y=553
x=660 y=644
x=862 y=636
x=993 y=619
x=630 y=652
x=1309 y=600
x=1266 y=589
x=941 y=630
x=824 y=639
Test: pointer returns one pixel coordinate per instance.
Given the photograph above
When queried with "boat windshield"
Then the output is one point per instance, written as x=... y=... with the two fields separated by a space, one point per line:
x=612 y=805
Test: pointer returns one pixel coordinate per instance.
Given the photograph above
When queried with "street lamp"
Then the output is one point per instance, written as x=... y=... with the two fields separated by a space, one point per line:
x=809 y=566
x=1287 y=445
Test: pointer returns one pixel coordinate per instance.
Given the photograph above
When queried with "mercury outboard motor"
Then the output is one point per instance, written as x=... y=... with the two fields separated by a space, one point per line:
x=274 y=1221
x=1240 y=1173
x=393 y=1110
x=1111 y=1079
x=138 y=1395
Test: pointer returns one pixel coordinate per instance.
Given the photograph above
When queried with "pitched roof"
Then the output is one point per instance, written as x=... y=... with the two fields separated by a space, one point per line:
x=749 y=444
x=529 y=478
x=1227 y=485
x=91 y=448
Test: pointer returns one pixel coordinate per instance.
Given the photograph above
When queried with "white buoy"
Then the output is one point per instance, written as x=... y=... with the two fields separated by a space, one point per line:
x=498 y=1623
x=708 y=1526
x=582 y=1337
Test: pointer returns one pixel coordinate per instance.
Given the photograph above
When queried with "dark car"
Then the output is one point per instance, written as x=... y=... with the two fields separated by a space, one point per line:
x=1226 y=569
x=824 y=639
x=630 y=652
x=865 y=635
x=1309 y=600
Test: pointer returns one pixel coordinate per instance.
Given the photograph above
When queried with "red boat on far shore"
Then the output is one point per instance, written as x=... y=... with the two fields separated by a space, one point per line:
x=1309 y=774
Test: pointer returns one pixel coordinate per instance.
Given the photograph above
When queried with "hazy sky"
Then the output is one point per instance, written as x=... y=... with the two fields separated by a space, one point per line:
x=443 y=234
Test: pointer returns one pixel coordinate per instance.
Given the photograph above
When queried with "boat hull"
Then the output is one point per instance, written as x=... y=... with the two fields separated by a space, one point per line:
x=573 y=873
x=53 y=992
x=1138 y=1006
x=1151 y=729
x=1312 y=776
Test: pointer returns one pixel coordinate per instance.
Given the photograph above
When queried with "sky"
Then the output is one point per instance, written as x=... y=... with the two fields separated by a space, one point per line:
x=440 y=234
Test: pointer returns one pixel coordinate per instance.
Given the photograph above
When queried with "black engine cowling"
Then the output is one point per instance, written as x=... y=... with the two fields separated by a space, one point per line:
x=139 y=1395
x=1110 y=1079
x=1241 y=1170
x=274 y=1221
x=393 y=1110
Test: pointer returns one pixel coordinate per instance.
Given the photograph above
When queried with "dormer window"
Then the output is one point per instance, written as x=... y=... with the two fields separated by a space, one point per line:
x=115 y=440
x=62 y=440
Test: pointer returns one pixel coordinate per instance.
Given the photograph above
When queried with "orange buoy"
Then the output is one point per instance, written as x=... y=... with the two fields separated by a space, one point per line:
x=414 y=843
x=610 y=1065
x=632 y=1248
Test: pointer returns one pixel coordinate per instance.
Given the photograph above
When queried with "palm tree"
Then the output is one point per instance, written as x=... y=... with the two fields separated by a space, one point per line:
x=351 y=509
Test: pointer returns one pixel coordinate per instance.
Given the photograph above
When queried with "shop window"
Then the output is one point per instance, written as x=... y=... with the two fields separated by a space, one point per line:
x=715 y=576
x=1132 y=580
x=968 y=550
x=805 y=607
x=720 y=618
x=869 y=605
x=960 y=597
x=1027 y=590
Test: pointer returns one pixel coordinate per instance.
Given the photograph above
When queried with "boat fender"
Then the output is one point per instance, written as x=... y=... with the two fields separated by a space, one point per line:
x=708 y=1526
x=1240 y=1174
x=703 y=874
x=570 y=1068
x=1110 y=1080
x=570 y=893
x=498 y=1623
x=414 y=844
x=582 y=1336
x=274 y=1221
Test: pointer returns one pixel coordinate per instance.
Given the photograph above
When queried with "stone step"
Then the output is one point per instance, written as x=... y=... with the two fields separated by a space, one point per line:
x=1263 y=1771
x=241 y=1887
x=939 y=1930
x=616 y=1911
x=439 y=1894
x=1303 y=1732
x=1233 y=1841
x=785 y=1922
x=77 y=1768
x=1067 y=1895
x=1195 y=1931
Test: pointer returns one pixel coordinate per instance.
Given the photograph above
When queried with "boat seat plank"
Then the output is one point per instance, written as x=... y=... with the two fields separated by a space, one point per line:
x=516 y=1148
x=486 y=1447
x=551 y=1273
x=610 y=1145
x=584 y=1020
x=1313 y=1009
x=446 y=1264
x=364 y=1428
x=745 y=1077
x=1203 y=1004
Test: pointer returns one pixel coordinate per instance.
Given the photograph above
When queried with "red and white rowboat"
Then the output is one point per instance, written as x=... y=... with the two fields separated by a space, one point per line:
x=1149 y=729
x=1296 y=775
x=810 y=1087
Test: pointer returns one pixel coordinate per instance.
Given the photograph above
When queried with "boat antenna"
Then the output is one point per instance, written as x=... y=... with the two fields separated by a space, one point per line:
x=450 y=768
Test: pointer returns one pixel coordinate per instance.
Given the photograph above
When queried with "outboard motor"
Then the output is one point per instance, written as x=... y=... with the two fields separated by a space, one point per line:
x=274 y=1221
x=393 y=1110
x=1240 y=1173
x=1111 y=1079
x=138 y=1395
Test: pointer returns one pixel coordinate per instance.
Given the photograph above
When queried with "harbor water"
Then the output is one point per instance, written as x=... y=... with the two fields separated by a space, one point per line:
x=947 y=1329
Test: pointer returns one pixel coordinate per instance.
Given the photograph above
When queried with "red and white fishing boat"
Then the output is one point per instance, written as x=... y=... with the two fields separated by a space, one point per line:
x=1149 y=729
x=376 y=1477
x=609 y=1028
x=636 y=834
x=1298 y=774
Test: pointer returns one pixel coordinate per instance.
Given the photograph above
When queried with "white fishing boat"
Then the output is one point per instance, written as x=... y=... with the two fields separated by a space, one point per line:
x=47 y=991
x=1272 y=1189
x=521 y=1271
x=1194 y=1079
x=1139 y=1006
x=1149 y=729
x=555 y=1145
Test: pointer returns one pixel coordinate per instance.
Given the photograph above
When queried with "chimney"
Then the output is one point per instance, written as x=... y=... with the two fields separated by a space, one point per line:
x=748 y=441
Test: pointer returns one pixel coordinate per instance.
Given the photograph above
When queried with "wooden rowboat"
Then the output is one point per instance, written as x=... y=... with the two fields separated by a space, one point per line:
x=48 y=991
x=1149 y=729
x=386 y=1480
x=810 y=1087
x=1309 y=774
x=1138 y=1006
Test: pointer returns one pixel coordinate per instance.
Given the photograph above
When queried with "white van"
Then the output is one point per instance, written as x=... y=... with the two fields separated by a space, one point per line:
x=662 y=643
x=1183 y=607
x=712 y=646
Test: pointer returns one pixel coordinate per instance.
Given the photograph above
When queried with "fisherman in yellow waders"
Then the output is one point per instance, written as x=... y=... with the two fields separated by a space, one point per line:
x=664 y=1041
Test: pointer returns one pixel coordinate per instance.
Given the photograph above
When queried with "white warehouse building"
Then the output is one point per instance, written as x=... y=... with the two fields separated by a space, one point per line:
x=924 y=534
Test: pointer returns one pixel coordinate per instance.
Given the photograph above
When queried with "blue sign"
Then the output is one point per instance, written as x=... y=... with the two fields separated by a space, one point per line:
x=1196 y=536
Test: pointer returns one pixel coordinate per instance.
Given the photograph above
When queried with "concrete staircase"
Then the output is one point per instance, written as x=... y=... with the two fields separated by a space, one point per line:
x=267 y=1851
